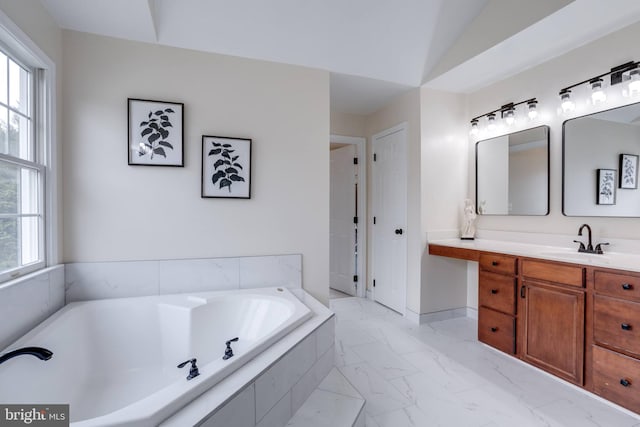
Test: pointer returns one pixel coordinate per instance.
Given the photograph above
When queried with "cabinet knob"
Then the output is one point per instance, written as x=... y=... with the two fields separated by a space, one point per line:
x=494 y=291
x=494 y=329
x=494 y=263
x=625 y=326
x=627 y=286
x=625 y=383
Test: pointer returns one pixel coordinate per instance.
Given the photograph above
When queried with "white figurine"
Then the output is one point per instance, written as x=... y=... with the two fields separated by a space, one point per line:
x=469 y=226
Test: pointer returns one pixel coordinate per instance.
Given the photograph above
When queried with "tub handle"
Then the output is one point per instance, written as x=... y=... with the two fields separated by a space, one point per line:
x=228 y=352
x=193 y=371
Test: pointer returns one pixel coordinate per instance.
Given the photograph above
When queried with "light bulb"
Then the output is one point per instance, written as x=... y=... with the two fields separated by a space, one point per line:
x=533 y=109
x=633 y=86
x=509 y=116
x=491 y=122
x=474 y=127
x=597 y=94
x=565 y=101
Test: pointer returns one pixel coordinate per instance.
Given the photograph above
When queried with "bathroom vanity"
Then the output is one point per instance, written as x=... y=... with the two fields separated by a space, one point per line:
x=576 y=316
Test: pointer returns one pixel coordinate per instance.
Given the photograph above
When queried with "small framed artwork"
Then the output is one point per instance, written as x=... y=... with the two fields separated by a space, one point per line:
x=628 y=171
x=226 y=167
x=156 y=133
x=606 y=187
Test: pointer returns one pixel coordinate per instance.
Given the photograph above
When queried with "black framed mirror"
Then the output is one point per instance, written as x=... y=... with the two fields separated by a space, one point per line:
x=600 y=163
x=512 y=173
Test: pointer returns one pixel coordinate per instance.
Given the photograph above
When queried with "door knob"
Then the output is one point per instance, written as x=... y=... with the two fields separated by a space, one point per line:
x=399 y=231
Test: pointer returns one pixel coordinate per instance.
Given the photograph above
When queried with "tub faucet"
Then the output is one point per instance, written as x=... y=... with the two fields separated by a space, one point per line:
x=39 y=352
x=228 y=352
x=193 y=371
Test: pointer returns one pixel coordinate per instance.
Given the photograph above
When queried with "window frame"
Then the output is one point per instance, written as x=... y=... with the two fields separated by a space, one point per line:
x=22 y=50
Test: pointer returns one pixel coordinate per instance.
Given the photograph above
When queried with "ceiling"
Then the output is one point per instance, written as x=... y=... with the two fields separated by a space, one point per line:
x=374 y=50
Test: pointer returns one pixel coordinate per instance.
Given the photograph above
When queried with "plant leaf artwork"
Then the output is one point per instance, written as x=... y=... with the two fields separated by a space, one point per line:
x=226 y=167
x=156 y=134
x=606 y=187
x=155 y=131
x=628 y=171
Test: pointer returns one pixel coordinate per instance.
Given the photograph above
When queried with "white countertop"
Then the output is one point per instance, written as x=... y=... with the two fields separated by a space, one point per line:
x=615 y=260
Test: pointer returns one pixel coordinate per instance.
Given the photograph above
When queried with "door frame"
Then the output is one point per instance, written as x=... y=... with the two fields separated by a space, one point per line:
x=361 y=153
x=397 y=128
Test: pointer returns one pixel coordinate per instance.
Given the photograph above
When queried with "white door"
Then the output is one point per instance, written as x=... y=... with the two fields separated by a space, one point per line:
x=390 y=218
x=342 y=227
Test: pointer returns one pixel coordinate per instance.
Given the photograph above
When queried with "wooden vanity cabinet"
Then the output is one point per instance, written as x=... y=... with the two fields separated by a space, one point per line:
x=553 y=298
x=616 y=337
x=578 y=322
x=497 y=301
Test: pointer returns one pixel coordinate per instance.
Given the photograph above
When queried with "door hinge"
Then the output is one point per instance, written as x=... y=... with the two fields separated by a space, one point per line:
x=374 y=220
x=355 y=278
x=375 y=157
x=355 y=219
x=355 y=160
x=374 y=283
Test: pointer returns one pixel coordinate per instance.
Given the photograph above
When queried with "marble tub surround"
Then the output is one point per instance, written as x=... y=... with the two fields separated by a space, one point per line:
x=100 y=280
x=620 y=254
x=439 y=374
x=27 y=301
x=268 y=390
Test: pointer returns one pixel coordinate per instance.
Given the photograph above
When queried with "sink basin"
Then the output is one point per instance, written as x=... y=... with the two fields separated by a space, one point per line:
x=577 y=256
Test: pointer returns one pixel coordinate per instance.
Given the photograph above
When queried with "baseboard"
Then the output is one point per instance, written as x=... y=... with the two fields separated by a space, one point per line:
x=437 y=316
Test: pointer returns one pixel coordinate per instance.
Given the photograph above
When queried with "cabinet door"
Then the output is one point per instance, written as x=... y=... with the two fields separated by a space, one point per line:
x=554 y=329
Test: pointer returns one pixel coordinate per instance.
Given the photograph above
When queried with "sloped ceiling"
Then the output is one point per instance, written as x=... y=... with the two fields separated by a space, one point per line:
x=374 y=50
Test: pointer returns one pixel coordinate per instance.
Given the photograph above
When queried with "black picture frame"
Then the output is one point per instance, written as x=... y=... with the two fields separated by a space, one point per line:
x=605 y=187
x=628 y=171
x=226 y=167
x=156 y=133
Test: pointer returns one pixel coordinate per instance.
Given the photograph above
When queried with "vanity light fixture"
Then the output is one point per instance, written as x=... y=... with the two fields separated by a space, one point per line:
x=509 y=116
x=628 y=72
x=597 y=94
x=474 y=127
x=633 y=81
x=565 y=101
x=532 y=105
x=508 y=113
x=491 y=122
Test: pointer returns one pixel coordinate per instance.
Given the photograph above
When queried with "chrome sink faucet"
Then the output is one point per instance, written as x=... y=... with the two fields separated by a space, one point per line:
x=589 y=249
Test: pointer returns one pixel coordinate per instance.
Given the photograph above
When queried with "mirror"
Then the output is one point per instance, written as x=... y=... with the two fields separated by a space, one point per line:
x=512 y=173
x=600 y=163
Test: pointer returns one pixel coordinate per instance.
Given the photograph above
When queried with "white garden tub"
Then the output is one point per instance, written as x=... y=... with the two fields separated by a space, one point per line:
x=115 y=361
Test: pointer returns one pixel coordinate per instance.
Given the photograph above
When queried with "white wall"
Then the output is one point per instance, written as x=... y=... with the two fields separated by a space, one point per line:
x=404 y=108
x=345 y=124
x=493 y=183
x=544 y=82
x=443 y=152
x=116 y=212
x=528 y=179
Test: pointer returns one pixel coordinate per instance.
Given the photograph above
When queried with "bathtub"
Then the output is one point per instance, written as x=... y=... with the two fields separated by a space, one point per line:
x=115 y=361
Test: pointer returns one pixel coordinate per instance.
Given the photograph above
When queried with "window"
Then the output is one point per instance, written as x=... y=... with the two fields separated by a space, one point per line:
x=22 y=171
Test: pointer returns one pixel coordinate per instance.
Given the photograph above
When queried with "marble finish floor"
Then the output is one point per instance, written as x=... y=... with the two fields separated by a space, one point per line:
x=335 y=294
x=438 y=374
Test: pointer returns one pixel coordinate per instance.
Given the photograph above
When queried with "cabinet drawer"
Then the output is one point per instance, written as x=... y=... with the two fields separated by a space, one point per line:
x=614 y=284
x=496 y=329
x=497 y=263
x=551 y=272
x=617 y=377
x=616 y=323
x=498 y=292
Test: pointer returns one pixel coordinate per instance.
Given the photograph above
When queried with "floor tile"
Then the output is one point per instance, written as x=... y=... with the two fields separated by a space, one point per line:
x=438 y=374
